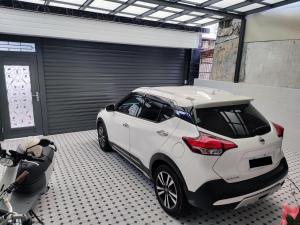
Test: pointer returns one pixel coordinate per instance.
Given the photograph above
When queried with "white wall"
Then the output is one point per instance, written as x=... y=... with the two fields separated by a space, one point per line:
x=277 y=24
x=281 y=105
x=19 y=22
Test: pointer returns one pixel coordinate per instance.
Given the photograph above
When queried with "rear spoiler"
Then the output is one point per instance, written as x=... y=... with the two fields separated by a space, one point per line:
x=224 y=103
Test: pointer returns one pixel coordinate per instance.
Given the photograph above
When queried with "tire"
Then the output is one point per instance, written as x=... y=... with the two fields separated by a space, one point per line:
x=102 y=137
x=171 y=197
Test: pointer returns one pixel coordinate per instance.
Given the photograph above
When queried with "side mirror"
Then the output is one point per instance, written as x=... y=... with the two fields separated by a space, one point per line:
x=110 y=108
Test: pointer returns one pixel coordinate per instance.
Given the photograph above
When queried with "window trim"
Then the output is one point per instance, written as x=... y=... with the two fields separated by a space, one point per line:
x=126 y=98
x=144 y=96
x=164 y=105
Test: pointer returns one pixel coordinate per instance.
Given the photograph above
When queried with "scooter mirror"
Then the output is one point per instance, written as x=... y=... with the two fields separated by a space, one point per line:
x=45 y=142
x=6 y=162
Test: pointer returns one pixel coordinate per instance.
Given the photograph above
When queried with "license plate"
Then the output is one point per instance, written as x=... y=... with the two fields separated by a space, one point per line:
x=265 y=161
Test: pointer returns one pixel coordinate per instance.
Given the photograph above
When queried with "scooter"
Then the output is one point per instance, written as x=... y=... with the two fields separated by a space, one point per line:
x=26 y=177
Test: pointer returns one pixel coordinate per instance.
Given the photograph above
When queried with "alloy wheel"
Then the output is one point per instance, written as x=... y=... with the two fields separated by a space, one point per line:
x=166 y=190
x=101 y=137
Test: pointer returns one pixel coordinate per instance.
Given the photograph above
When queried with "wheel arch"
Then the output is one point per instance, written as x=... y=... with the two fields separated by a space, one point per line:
x=99 y=120
x=162 y=159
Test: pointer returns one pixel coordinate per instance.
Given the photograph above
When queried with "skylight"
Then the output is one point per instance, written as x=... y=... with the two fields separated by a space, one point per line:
x=205 y=20
x=153 y=10
x=227 y=3
x=149 y=18
x=172 y=21
x=196 y=2
x=272 y=1
x=184 y=18
x=96 y=10
x=173 y=9
x=125 y=15
x=161 y=14
x=135 y=10
x=64 y=5
x=197 y=13
x=34 y=1
x=146 y=4
x=77 y=2
x=102 y=4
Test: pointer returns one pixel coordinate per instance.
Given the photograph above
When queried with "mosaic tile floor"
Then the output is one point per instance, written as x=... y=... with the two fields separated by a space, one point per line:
x=91 y=187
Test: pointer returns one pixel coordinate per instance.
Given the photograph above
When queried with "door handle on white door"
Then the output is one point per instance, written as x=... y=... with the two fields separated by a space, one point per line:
x=125 y=125
x=162 y=133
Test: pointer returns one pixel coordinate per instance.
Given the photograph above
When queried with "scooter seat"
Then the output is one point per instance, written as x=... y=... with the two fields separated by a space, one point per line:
x=36 y=180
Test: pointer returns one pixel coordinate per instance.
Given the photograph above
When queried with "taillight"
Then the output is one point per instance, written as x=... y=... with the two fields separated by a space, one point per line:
x=207 y=144
x=279 y=129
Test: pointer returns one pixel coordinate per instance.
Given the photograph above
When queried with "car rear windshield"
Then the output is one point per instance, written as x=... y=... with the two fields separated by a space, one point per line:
x=238 y=121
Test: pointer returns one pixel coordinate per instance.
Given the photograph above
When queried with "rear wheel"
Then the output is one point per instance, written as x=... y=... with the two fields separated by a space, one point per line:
x=102 y=137
x=169 y=191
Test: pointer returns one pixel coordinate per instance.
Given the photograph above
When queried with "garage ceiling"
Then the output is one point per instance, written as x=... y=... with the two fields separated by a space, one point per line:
x=187 y=13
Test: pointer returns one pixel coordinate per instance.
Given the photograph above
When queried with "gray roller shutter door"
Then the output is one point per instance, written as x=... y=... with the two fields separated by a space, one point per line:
x=82 y=77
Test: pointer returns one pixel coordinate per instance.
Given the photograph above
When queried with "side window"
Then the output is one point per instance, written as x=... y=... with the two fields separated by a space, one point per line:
x=132 y=105
x=151 y=110
x=166 y=113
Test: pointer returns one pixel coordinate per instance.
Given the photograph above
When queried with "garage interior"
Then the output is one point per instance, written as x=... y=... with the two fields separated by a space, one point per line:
x=83 y=55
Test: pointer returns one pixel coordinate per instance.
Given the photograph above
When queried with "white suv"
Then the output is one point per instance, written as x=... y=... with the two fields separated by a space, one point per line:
x=201 y=146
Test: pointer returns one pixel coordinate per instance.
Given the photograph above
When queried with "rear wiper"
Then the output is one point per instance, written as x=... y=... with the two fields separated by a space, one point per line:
x=255 y=130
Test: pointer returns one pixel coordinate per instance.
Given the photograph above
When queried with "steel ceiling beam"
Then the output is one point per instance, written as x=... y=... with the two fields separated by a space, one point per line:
x=86 y=4
x=194 y=8
x=240 y=52
x=243 y=4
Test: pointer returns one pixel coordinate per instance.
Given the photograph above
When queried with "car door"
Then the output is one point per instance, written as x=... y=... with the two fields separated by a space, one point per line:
x=119 y=126
x=151 y=129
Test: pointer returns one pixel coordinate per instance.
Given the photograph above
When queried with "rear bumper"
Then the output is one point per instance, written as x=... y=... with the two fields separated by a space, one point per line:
x=218 y=193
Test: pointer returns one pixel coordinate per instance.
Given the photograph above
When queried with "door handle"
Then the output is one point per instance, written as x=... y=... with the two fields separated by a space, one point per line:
x=125 y=125
x=37 y=96
x=162 y=133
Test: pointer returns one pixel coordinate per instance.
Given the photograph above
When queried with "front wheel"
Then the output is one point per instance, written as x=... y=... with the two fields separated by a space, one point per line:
x=102 y=137
x=169 y=191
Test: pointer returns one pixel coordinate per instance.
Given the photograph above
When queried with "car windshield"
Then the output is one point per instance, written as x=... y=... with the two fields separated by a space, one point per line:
x=237 y=121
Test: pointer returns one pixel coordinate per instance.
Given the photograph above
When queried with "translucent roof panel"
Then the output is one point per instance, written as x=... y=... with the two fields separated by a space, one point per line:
x=102 y=4
x=272 y=1
x=96 y=10
x=197 y=13
x=195 y=2
x=150 y=18
x=184 y=18
x=173 y=9
x=77 y=2
x=62 y=5
x=125 y=15
x=172 y=22
x=146 y=4
x=227 y=3
x=135 y=10
x=35 y=1
x=203 y=21
x=183 y=12
x=249 y=7
x=161 y=14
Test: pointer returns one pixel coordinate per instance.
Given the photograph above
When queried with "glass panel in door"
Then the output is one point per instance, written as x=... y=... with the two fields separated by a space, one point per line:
x=19 y=97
